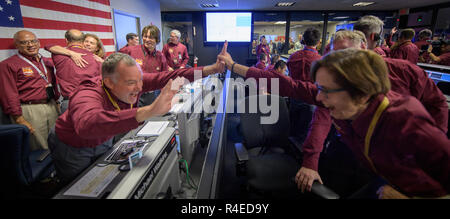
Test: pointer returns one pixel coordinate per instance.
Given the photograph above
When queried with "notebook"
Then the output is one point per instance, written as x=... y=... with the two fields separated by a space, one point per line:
x=153 y=128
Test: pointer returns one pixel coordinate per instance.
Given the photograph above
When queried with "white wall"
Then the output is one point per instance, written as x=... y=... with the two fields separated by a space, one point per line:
x=149 y=12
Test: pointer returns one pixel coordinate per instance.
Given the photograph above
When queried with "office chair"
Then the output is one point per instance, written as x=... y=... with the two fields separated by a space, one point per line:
x=20 y=166
x=267 y=156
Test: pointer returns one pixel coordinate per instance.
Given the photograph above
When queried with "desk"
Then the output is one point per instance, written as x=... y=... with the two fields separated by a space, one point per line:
x=155 y=172
x=436 y=72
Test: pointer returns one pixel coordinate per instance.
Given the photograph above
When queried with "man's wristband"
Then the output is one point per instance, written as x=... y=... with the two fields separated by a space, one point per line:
x=232 y=67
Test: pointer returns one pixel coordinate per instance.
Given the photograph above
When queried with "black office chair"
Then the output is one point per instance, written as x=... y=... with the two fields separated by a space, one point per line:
x=20 y=166
x=267 y=156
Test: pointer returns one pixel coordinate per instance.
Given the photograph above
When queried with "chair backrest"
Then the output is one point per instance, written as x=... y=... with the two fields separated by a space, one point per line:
x=15 y=153
x=257 y=134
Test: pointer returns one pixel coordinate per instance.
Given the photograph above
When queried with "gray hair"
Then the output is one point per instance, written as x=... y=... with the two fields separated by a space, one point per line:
x=110 y=64
x=177 y=33
x=425 y=33
x=369 y=24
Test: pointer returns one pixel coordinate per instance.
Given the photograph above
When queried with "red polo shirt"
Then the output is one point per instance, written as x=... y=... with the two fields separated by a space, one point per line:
x=261 y=65
x=176 y=55
x=91 y=118
x=380 y=51
x=150 y=62
x=407 y=51
x=300 y=62
x=69 y=75
x=20 y=82
x=445 y=59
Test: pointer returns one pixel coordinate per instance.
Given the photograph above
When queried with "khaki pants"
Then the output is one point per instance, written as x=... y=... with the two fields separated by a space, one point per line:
x=42 y=117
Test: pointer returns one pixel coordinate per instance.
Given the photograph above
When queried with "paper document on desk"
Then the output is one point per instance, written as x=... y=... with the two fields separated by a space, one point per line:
x=94 y=182
x=153 y=128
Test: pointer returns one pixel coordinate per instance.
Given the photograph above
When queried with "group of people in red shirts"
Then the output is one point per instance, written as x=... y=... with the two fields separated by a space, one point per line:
x=386 y=110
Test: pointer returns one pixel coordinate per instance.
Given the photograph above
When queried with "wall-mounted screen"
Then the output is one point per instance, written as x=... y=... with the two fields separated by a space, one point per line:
x=230 y=26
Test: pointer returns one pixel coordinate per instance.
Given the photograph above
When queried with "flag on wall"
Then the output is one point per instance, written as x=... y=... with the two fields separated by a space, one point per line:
x=49 y=20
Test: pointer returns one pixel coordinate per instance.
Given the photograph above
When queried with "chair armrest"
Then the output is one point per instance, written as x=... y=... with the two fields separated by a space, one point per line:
x=323 y=191
x=241 y=152
x=43 y=156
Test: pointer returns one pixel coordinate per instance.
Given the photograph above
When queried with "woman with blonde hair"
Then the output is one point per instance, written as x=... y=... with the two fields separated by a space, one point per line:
x=93 y=43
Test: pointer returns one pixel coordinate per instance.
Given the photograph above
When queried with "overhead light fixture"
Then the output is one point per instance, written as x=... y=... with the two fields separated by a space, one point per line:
x=280 y=22
x=284 y=4
x=209 y=5
x=363 y=4
x=342 y=17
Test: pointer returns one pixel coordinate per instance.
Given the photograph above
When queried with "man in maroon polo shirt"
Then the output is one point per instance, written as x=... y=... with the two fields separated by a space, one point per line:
x=68 y=73
x=132 y=40
x=150 y=59
x=175 y=52
x=263 y=48
x=422 y=43
x=101 y=109
x=299 y=65
x=444 y=58
x=28 y=89
x=404 y=48
x=262 y=63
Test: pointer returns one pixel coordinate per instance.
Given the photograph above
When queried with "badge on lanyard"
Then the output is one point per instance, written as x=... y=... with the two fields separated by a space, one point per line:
x=179 y=56
x=140 y=62
x=175 y=61
x=27 y=71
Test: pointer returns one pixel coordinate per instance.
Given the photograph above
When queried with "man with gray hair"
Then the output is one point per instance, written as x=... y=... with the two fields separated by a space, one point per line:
x=175 y=52
x=101 y=109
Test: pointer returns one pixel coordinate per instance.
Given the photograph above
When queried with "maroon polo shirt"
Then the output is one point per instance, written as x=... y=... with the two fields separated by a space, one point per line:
x=378 y=50
x=176 y=55
x=263 y=49
x=270 y=67
x=407 y=51
x=406 y=147
x=445 y=59
x=300 y=62
x=20 y=82
x=150 y=62
x=69 y=75
x=91 y=118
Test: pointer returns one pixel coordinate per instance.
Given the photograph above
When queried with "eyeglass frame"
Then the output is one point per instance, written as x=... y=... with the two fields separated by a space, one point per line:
x=28 y=42
x=328 y=91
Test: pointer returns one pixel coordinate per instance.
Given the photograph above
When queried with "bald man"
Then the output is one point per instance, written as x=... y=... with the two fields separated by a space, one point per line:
x=68 y=73
x=28 y=89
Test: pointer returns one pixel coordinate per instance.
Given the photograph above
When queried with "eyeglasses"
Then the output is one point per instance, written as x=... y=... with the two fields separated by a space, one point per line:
x=28 y=42
x=328 y=91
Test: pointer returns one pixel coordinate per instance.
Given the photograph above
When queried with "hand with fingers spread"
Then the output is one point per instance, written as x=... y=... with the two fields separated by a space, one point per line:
x=305 y=178
x=78 y=59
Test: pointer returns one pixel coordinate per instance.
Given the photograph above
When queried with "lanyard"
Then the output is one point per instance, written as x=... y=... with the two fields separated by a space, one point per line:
x=384 y=104
x=114 y=103
x=312 y=50
x=37 y=69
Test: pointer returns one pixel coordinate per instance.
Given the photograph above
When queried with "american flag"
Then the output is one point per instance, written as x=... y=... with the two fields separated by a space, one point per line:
x=49 y=20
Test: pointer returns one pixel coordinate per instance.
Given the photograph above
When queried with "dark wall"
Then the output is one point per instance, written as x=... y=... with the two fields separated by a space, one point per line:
x=207 y=54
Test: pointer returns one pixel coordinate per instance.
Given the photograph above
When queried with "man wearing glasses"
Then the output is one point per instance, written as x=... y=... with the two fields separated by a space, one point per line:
x=28 y=90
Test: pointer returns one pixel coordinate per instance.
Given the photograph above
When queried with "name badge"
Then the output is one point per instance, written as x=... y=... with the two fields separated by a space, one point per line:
x=27 y=71
x=179 y=56
x=139 y=61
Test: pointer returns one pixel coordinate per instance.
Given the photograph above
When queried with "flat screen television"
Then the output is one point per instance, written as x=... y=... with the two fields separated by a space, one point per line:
x=230 y=26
